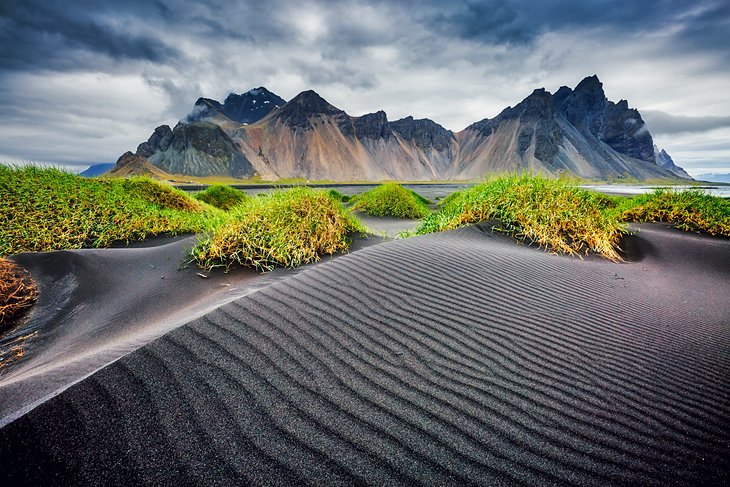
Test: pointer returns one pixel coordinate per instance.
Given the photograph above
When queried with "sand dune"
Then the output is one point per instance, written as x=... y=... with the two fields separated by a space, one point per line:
x=98 y=305
x=451 y=359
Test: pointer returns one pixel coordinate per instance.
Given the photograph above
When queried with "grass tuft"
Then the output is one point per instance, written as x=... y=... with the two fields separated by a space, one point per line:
x=221 y=196
x=450 y=198
x=391 y=199
x=45 y=209
x=17 y=293
x=552 y=213
x=284 y=228
x=337 y=196
x=692 y=210
x=420 y=198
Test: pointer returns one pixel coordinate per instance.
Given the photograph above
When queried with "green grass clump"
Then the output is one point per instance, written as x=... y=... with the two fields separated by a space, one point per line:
x=336 y=195
x=692 y=210
x=420 y=198
x=221 y=196
x=284 y=228
x=552 y=213
x=46 y=209
x=391 y=199
x=160 y=194
x=450 y=198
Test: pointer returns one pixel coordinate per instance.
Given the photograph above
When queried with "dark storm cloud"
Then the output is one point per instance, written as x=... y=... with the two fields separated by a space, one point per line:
x=53 y=35
x=522 y=21
x=661 y=123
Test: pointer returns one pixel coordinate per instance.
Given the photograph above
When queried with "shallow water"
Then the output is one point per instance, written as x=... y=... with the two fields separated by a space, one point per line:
x=432 y=192
x=436 y=192
x=722 y=191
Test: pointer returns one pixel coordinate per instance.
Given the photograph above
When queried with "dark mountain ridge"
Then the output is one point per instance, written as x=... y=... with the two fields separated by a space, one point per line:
x=578 y=131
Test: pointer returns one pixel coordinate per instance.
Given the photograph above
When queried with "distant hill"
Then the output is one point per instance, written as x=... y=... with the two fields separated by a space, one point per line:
x=576 y=131
x=714 y=177
x=130 y=164
x=97 y=170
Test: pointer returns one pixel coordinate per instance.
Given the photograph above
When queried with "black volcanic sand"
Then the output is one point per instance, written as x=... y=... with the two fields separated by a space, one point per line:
x=388 y=227
x=450 y=359
x=97 y=305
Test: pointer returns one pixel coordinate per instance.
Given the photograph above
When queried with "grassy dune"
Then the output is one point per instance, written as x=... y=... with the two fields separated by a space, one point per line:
x=46 y=209
x=391 y=199
x=690 y=210
x=549 y=212
x=284 y=228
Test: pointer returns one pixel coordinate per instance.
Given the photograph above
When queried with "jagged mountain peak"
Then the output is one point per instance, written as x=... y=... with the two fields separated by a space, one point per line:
x=311 y=102
x=590 y=83
x=306 y=105
x=246 y=108
x=423 y=132
x=588 y=95
x=258 y=95
x=539 y=103
x=665 y=161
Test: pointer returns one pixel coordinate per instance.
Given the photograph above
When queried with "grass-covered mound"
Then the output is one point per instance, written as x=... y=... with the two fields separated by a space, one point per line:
x=159 y=194
x=17 y=293
x=552 y=213
x=284 y=228
x=221 y=196
x=46 y=209
x=336 y=195
x=691 y=210
x=391 y=199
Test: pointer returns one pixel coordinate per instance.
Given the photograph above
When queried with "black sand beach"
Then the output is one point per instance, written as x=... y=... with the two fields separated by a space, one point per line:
x=451 y=359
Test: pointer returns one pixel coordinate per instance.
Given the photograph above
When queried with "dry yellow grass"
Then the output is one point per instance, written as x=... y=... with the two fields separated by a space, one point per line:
x=17 y=293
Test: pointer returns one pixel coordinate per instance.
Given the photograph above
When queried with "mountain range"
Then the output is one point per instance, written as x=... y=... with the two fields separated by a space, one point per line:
x=257 y=133
x=714 y=177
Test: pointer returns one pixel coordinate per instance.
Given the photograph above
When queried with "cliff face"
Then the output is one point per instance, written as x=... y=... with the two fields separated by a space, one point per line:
x=574 y=130
x=195 y=149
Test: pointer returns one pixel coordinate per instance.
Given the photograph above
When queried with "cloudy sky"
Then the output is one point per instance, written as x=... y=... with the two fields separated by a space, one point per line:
x=84 y=81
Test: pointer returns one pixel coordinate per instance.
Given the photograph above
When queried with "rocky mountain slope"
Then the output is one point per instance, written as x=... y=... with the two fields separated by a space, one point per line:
x=664 y=160
x=576 y=130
